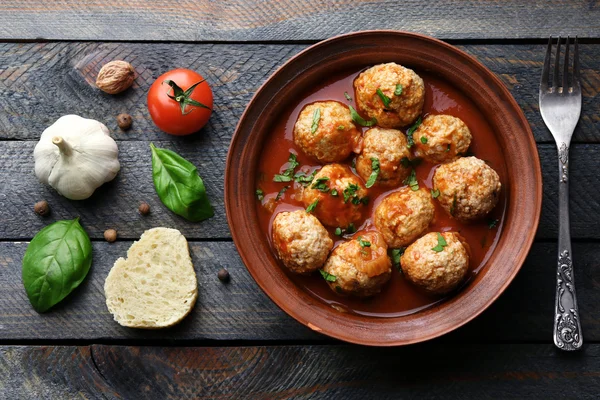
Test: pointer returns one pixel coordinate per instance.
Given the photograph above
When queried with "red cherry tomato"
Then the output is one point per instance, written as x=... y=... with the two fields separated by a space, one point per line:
x=177 y=107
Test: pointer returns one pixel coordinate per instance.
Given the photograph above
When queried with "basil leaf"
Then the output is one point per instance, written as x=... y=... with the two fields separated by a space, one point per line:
x=411 y=180
x=384 y=99
x=260 y=194
x=315 y=121
x=441 y=243
x=374 y=172
x=311 y=207
x=56 y=261
x=288 y=174
x=363 y=243
x=396 y=254
x=347 y=96
x=350 y=228
x=435 y=193
x=410 y=131
x=398 y=90
x=281 y=192
x=360 y=120
x=327 y=276
x=178 y=185
x=423 y=139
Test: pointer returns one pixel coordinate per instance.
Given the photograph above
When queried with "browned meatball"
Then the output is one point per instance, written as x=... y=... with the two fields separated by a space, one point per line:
x=403 y=216
x=390 y=79
x=339 y=197
x=469 y=188
x=301 y=242
x=324 y=130
x=388 y=147
x=441 y=138
x=360 y=266
x=436 y=267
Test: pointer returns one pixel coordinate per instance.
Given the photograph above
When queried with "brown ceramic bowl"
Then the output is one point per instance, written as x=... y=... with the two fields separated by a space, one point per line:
x=523 y=186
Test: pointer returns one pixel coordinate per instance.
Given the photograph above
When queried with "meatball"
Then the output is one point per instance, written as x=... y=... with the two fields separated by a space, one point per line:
x=360 y=266
x=324 y=130
x=337 y=196
x=436 y=267
x=403 y=216
x=388 y=146
x=301 y=242
x=469 y=188
x=402 y=86
x=441 y=138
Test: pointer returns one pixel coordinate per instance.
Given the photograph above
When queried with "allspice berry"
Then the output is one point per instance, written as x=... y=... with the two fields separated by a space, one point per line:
x=110 y=235
x=115 y=77
x=124 y=121
x=144 y=208
x=223 y=275
x=42 y=208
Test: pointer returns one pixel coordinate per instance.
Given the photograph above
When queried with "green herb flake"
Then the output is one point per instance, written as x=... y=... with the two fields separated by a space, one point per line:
x=492 y=223
x=281 y=192
x=411 y=181
x=351 y=228
x=347 y=96
x=350 y=192
x=441 y=243
x=375 y=166
x=435 y=193
x=260 y=195
x=453 y=206
x=321 y=184
x=341 y=128
x=363 y=243
x=365 y=200
x=410 y=131
x=312 y=206
x=398 y=90
x=396 y=254
x=327 y=276
x=288 y=174
x=384 y=99
x=338 y=231
x=423 y=140
x=315 y=121
x=405 y=162
x=448 y=148
x=334 y=192
x=304 y=179
x=360 y=120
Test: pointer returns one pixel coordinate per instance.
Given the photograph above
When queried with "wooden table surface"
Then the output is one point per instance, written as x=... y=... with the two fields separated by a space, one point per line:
x=236 y=343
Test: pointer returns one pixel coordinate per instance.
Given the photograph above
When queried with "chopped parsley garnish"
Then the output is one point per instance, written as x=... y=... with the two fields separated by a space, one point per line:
x=315 y=121
x=350 y=192
x=396 y=254
x=260 y=195
x=448 y=148
x=312 y=206
x=350 y=228
x=347 y=96
x=360 y=120
x=410 y=131
x=398 y=90
x=288 y=174
x=411 y=181
x=423 y=140
x=365 y=200
x=492 y=223
x=327 y=276
x=334 y=192
x=338 y=231
x=435 y=193
x=321 y=184
x=356 y=200
x=363 y=243
x=281 y=192
x=384 y=99
x=304 y=179
x=374 y=172
x=441 y=243
x=341 y=128
x=453 y=206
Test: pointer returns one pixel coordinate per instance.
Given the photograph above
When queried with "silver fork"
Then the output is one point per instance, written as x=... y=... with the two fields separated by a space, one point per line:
x=560 y=106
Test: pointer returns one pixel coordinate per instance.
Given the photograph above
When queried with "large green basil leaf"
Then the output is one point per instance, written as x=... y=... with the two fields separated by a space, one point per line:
x=178 y=185
x=56 y=261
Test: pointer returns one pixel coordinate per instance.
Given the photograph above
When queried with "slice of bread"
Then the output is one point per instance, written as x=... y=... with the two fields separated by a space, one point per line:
x=156 y=286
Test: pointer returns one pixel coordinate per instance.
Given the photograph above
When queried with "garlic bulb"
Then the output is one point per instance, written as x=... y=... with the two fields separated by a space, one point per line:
x=75 y=156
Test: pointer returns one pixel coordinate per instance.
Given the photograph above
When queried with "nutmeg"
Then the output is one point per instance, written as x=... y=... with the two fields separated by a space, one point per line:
x=115 y=77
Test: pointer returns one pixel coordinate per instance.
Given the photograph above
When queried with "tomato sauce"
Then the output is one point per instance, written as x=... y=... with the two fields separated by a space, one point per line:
x=398 y=297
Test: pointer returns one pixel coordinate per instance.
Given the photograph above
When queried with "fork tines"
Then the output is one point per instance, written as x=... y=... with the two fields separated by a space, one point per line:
x=553 y=86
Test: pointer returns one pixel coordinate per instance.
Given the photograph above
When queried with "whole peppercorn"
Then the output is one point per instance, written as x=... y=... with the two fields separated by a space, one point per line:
x=42 y=208
x=144 y=208
x=110 y=235
x=124 y=121
x=223 y=275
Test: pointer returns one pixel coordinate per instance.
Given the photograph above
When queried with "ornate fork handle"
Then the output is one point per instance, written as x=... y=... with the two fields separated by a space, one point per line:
x=567 y=328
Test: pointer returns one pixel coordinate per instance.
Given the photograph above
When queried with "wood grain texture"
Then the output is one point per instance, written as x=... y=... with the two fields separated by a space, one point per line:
x=234 y=20
x=293 y=372
x=39 y=82
x=115 y=205
x=240 y=310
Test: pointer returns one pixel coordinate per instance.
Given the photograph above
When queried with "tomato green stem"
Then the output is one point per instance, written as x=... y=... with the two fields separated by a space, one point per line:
x=183 y=97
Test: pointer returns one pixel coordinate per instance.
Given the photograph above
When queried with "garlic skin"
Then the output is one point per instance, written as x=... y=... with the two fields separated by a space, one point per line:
x=75 y=156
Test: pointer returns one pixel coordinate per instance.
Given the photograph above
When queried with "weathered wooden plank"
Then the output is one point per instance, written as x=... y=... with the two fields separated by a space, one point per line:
x=293 y=372
x=115 y=205
x=204 y=20
x=240 y=310
x=39 y=82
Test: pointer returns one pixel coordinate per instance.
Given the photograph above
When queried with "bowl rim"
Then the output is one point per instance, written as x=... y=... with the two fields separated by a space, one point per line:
x=526 y=242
